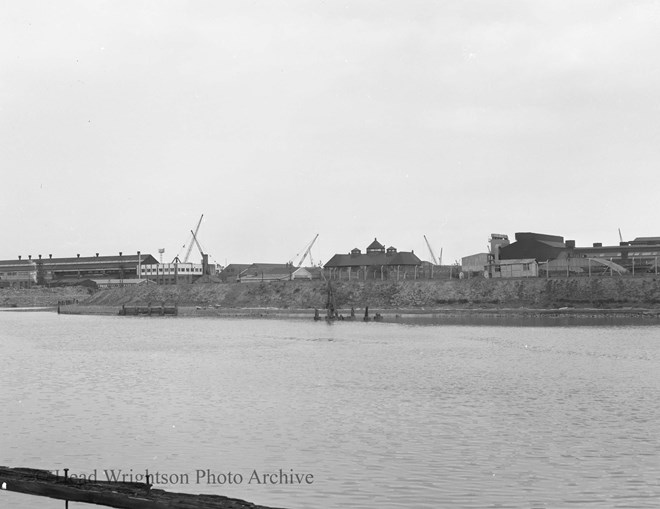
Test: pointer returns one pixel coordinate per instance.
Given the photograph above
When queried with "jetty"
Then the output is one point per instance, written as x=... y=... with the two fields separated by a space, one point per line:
x=121 y=495
x=149 y=310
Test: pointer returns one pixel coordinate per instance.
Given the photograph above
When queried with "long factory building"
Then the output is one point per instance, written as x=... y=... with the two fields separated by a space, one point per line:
x=101 y=270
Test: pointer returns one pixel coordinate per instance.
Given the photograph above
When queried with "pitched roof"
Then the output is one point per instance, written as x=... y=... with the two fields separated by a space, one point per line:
x=646 y=240
x=87 y=261
x=18 y=264
x=373 y=259
x=375 y=245
x=257 y=269
x=516 y=261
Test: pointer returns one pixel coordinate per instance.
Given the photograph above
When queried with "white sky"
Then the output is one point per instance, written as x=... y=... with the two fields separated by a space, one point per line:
x=121 y=122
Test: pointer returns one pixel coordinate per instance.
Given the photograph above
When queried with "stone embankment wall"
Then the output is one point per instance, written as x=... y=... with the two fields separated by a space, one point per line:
x=478 y=292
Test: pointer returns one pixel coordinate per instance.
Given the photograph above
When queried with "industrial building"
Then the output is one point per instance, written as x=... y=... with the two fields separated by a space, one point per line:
x=487 y=264
x=512 y=268
x=376 y=263
x=18 y=273
x=263 y=272
x=638 y=256
x=552 y=255
x=25 y=273
x=172 y=273
x=539 y=246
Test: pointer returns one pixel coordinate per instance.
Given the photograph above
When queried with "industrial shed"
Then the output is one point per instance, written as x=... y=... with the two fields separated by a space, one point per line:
x=527 y=267
x=263 y=272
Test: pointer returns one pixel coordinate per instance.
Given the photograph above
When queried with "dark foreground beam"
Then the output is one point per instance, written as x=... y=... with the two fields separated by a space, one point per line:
x=121 y=495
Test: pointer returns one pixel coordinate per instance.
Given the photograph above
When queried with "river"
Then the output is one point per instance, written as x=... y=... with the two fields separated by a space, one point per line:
x=369 y=415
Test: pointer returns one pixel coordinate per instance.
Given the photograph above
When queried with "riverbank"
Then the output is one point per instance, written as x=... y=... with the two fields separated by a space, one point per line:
x=393 y=315
x=40 y=296
x=598 y=297
x=601 y=293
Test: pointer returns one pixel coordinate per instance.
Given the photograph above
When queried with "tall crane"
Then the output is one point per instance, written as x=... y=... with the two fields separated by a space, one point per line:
x=205 y=257
x=435 y=261
x=177 y=259
x=306 y=252
x=201 y=251
x=194 y=239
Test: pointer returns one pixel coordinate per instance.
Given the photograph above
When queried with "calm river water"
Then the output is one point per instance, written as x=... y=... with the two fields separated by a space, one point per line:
x=381 y=415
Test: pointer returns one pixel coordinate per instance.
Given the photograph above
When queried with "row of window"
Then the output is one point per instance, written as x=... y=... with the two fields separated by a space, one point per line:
x=618 y=255
x=170 y=270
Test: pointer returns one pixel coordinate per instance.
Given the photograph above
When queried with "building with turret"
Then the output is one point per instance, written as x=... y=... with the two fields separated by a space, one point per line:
x=377 y=263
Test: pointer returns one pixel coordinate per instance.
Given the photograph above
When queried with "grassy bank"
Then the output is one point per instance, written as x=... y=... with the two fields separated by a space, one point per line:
x=643 y=293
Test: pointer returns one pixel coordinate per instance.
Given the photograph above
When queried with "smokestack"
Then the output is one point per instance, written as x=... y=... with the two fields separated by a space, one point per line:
x=97 y=255
x=78 y=255
x=19 y=257
x=50 y=256
x=29 y=257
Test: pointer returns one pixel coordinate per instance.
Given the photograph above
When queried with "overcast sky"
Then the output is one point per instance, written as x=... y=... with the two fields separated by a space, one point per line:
x=121 y=122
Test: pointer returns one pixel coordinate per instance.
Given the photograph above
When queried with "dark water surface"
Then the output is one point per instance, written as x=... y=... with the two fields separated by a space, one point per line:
x=382 y=415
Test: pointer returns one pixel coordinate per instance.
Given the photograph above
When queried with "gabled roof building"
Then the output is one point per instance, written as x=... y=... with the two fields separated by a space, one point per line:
x=377 y=263
x=262 y=272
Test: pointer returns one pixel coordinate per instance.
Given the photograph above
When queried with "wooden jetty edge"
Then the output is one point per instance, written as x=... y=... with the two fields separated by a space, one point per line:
x=121 y=495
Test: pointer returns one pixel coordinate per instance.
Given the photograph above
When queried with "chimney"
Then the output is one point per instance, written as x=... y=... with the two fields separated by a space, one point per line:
x=97 y=255
x=78 y=255
x=19 y=257
x=29 y=257
x=40 y=257
x=570 y=243
x=50 y=256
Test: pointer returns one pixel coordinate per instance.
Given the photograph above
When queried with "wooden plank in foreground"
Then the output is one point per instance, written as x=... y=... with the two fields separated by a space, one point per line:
x=121 y=495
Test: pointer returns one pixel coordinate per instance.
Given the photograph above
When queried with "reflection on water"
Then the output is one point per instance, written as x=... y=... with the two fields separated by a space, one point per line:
x=381 y=414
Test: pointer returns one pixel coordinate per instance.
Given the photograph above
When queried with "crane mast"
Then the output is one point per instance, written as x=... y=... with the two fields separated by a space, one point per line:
x=194 y=234
x=307 y=251
x=435 y=261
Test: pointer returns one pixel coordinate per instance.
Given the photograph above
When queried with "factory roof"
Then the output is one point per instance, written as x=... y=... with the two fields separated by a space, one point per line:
x=75 y=263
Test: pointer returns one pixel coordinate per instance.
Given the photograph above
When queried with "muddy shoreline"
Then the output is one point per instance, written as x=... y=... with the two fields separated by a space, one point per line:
x=436 y=315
